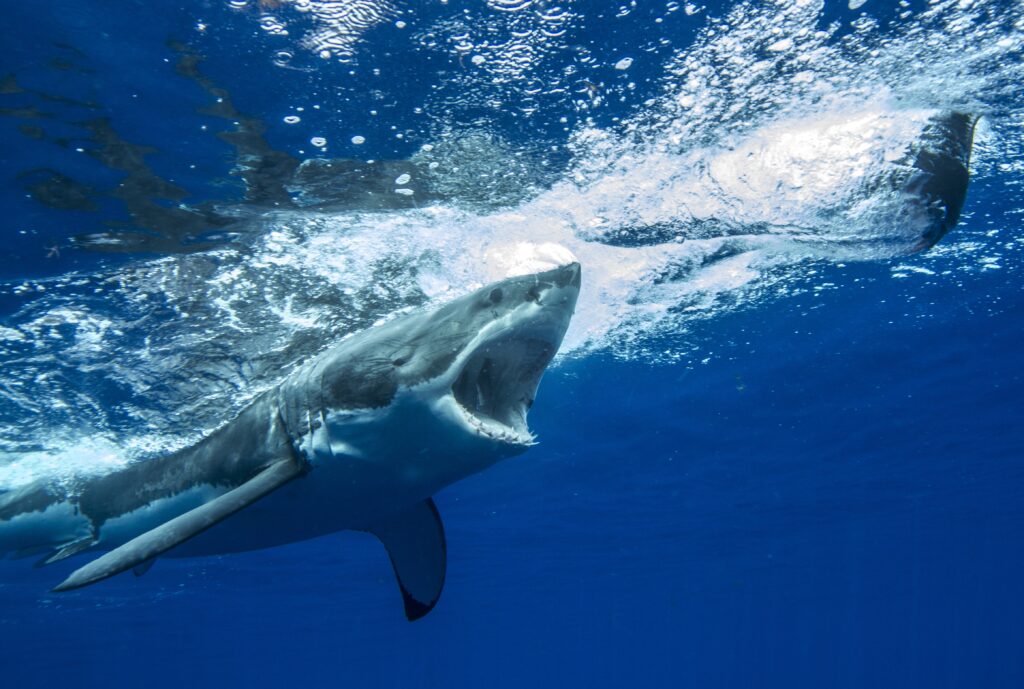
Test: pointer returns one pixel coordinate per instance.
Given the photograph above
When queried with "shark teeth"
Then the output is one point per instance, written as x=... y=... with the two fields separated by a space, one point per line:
x=495 y=430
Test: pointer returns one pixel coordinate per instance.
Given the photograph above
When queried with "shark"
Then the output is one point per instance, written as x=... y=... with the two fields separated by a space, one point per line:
x=360 y=437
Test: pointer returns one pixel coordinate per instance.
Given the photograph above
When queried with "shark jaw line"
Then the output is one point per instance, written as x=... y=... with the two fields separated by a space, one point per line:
x=497 y=376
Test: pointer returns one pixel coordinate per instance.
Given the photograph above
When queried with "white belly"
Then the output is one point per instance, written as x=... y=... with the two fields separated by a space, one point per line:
x=366 y=466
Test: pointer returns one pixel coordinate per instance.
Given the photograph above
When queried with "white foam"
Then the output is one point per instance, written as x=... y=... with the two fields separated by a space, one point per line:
x=768 y=127
x=521 y=258
x=76 y=458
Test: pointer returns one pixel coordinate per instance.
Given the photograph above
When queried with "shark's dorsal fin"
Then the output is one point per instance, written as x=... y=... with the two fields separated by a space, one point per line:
x=178 y=530
x=415 y=542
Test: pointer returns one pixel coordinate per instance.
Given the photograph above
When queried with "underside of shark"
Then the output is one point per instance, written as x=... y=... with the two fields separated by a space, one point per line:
x=359 y=438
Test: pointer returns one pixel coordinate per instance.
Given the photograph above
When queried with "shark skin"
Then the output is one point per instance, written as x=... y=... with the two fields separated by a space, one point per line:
x=358 y=438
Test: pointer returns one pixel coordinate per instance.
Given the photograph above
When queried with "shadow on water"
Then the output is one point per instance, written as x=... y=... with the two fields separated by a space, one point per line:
x=161 y=220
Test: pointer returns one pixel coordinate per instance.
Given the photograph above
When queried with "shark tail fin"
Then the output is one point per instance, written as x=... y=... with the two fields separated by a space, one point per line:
x=143 y=549
x=416 y=545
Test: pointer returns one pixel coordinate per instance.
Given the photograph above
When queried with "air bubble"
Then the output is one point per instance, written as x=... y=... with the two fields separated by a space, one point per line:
x=509 y=5
x=272 y=25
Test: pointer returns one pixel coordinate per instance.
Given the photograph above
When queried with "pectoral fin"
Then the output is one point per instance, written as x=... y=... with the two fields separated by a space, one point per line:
x=143 y=567
x=68 y=550
x=149 y=545
x=415 y=542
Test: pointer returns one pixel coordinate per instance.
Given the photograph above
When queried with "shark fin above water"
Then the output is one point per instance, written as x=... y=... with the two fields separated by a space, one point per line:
x=144 y=548
x=415 y=543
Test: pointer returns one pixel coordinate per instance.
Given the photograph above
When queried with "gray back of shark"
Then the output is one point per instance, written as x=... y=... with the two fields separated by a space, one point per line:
x=360 y=438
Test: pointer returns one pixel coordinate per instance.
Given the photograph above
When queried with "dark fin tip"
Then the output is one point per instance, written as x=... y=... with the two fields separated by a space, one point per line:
x=414 y=609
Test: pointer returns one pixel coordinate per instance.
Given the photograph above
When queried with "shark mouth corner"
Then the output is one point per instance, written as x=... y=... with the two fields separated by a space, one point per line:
x=497 y=385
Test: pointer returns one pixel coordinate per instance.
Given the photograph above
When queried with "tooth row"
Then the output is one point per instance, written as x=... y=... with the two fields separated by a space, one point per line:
x=498 y=433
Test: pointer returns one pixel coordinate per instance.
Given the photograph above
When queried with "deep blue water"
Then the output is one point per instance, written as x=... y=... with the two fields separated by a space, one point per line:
x=823 y=486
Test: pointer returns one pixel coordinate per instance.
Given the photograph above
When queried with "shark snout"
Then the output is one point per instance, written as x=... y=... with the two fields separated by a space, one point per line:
x=555 y=292
x=568 y=275
x=557 y=288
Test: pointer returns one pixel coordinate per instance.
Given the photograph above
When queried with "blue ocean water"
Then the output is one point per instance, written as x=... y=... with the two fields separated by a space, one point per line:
x=762 y=460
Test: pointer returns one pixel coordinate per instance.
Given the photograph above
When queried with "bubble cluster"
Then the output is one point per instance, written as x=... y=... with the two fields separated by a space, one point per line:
x=338 y=25
x=509 y=43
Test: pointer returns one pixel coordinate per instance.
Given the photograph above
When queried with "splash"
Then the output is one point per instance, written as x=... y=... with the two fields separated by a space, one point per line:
x=777 y=141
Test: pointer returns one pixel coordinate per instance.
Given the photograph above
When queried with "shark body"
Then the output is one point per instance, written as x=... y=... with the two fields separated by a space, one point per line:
x=359 y=438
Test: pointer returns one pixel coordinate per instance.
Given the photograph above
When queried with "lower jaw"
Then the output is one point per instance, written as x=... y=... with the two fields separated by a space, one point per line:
x=505 y=435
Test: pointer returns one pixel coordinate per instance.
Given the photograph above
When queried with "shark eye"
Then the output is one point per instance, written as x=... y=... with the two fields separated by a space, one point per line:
x=400 y=361
x=496 y=295
x=533 y=294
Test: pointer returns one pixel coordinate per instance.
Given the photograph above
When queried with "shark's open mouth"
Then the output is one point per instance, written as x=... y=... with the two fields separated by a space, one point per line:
x=497 y=385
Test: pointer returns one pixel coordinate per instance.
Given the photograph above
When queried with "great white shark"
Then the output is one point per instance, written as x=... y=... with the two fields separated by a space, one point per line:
x=359 y=438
